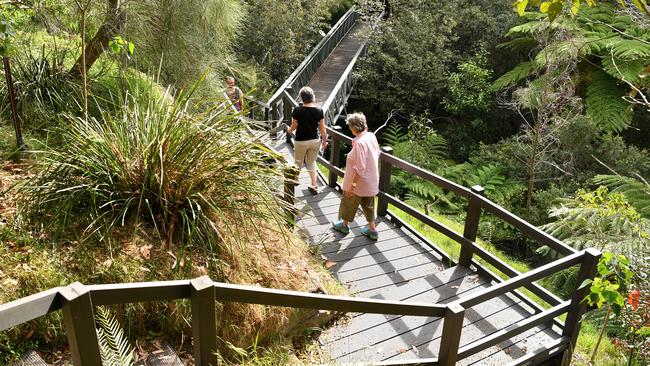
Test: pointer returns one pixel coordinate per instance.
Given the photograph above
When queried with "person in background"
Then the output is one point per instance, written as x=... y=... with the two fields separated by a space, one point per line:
x=307 y=119
x=234 y=93
x=361 y=178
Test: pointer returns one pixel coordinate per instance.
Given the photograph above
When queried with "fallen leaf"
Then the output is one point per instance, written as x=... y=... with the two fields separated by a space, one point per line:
x=403 y=350
x=455 y=286
x=329 y=264
x=524 y=349
x=108 y=263
x=415 y=350
x=145 y=251
x=9 y=282
x=508 y=350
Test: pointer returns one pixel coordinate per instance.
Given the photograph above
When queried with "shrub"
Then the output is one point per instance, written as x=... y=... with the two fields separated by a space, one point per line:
x=189 y=171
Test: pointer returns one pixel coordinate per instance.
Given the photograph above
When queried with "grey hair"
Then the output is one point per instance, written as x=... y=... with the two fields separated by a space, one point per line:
x=357 y=121
x=307 y=95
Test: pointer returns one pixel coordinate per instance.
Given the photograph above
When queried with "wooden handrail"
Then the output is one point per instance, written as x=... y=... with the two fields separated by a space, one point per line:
x=526 y=227
x=519 y=281
x=516 y=329
x=29 y=308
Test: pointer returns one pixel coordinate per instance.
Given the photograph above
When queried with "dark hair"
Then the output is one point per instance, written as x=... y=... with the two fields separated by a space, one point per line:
x=307 y=94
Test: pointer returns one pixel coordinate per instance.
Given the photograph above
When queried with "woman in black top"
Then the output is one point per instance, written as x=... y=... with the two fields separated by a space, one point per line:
x=307 y=120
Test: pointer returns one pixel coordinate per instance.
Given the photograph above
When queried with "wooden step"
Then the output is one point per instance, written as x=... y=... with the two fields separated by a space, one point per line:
x=165 y=356
x=30 y=358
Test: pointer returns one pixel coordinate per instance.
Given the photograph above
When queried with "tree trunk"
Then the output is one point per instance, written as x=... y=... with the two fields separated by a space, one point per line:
x=532 y=164
x=115 y=19
x=12 y=100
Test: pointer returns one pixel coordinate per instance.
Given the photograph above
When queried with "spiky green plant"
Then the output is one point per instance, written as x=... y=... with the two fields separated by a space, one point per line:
x=183 y=167
x=113 y=344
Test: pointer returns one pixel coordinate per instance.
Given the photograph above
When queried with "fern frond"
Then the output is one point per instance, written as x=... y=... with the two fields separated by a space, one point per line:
x=113 y=344
x=394 y=135
x=520 y=72
x=629 y=49
x=426 y=190
x=519 y=44
x=636 y=191
x=629 y=70
x=604 y=103
x=436 y=146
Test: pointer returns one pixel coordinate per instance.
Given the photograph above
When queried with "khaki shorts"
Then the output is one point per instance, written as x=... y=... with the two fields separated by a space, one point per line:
x=306 y=151
x=349 y=205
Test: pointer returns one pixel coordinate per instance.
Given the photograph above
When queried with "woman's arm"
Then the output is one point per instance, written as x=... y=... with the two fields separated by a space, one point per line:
x=294 y=125
x=323 y=133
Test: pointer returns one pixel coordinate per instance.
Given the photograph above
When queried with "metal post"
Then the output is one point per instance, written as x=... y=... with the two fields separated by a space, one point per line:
x=335 y=156
x=384 y=181
x=471 y=225
x=204 y=321
x=12 y=101
x=451 y=331
x=578 y=306
x=79 y=321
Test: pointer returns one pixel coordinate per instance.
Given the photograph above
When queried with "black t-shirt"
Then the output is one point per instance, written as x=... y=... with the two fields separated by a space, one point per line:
x=308 y=119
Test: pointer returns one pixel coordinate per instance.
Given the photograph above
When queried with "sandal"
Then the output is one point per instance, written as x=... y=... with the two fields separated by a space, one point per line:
x=338 y=226
x=373 y=235
x=313 y=190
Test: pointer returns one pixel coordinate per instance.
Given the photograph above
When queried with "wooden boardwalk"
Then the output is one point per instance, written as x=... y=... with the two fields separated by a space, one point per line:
x=398 y=266
x=325 y=79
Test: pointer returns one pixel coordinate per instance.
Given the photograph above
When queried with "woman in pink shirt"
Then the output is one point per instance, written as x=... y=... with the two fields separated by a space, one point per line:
x=361 y=178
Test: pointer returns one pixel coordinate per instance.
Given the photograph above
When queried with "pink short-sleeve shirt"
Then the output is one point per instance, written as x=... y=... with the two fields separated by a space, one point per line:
x=362 y=161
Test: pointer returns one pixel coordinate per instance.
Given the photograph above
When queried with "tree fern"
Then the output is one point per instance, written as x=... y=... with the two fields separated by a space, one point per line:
x=113 y=344
x=629 y=49
x=602 y=220
x=394 y=135
x=524 y=43
x=605 y=105
x=629 y=70
x=637 y=191
x=520 y=72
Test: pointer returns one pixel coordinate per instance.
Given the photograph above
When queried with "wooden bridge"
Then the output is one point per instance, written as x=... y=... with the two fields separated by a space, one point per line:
x=413 y=303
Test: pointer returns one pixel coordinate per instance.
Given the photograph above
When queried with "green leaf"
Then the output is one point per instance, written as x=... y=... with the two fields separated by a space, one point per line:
x=521 y=6
x=585 y=283
x=575 y=7
x=543 y=7
x=555 y=9
x=131 y=48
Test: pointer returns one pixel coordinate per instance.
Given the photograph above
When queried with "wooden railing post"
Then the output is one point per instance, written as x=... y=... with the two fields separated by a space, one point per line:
x=578 y=306
x=291 y=173
x=79 y=320
x=451 y=330
x=471 y=225
x=335 y=156
x=384 y=181
x=204 y=321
